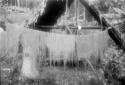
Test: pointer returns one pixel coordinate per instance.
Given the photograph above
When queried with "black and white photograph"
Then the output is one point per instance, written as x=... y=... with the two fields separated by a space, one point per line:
x=62 y=42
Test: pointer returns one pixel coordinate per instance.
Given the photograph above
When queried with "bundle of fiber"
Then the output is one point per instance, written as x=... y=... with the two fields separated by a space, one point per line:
x=12 y=27
x=29 y=65
x=33 y=43
x=2 y=48
x=92 y=45
x=18 y=17
x=35 y=40
x=9 y=41
x=60 y=46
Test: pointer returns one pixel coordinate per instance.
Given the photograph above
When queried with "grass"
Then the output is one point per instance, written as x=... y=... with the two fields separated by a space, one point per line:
x=51 y=76
x=76 y=75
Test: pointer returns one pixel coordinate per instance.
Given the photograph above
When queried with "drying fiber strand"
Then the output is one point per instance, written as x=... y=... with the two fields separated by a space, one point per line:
x=91 y=44
x=60 y=46
x=10 y=39
x=33 y=43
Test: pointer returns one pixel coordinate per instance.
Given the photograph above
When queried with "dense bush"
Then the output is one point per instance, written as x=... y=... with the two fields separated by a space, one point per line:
x=114 y=65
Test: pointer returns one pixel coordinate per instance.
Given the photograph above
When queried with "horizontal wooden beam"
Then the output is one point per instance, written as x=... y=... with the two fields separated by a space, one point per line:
x=71 y=27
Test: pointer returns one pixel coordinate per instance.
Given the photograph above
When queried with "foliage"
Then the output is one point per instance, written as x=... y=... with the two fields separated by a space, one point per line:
x=114 y=67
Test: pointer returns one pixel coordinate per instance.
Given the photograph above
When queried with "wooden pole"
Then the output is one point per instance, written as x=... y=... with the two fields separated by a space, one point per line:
x=18 y=2
x=76 y=5
x=77 y=11
x=0 y=74
x=84 y=16
x=66 y=9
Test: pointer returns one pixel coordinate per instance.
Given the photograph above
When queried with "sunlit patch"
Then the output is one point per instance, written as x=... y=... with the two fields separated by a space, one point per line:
x=92 y=1
x=1 y=30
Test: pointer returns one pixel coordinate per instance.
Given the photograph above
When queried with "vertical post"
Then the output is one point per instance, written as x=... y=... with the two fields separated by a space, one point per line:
x=18 y=3
x=77 y=11
x=66 y=9
x=15 y=2
x=0 y=74
x=76 y=7
x=10 y=3
x=84 y=16
x=63 y=16
x=26 y=3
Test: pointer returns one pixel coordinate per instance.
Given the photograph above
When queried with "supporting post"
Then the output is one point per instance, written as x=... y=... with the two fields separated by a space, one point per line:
x=18 y=3
x=0 y=74
x=76 y=10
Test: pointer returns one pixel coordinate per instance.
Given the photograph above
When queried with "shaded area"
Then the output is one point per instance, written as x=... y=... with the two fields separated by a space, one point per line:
x=53 y=10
